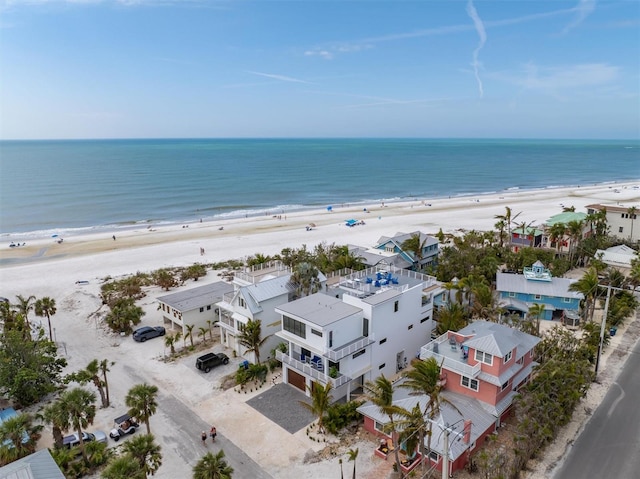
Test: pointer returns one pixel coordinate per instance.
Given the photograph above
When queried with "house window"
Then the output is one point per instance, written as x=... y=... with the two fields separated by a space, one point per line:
x=294 y=327
x=537 y=296
x=505 y=386
x=242 y=303
x=468 y=382
x=316 y=332
x=566 y=300
x=484 y=357
x=382 y=341
x=209 y=307
x=378 y=426
x=423 y=320
x=620 y=229
x=202 y=309
x=365 y=327
x=507 y=357
x=410 y=326
x=330 y=339
x=512 y=294
x=382 y=366
x=389 y=249
x=434 y=456
x=521 y=360
x=163 y=308
x=359 y=353
x=395 y=306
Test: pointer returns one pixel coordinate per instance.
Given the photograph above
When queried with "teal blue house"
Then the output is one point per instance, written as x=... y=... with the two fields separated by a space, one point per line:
x=393 y=245
x=518 y=292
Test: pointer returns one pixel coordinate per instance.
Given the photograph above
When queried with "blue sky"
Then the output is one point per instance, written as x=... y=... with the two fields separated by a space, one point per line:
x=360 y=68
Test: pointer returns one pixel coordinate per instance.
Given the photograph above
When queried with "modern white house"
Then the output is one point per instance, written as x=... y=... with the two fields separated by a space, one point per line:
x=194 y=306
x=372 y=322
x=255 y=294
x=621 y=220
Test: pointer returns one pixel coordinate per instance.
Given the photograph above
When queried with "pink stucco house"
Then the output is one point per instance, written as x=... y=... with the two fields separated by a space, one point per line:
x=482 y=367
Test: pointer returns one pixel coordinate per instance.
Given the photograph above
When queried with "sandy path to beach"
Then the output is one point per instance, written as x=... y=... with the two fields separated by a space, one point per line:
x=45 y=268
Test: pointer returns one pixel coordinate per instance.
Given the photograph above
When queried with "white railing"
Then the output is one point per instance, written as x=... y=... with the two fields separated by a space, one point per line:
x=449 y=363
x=310 y=371
x=338 y=354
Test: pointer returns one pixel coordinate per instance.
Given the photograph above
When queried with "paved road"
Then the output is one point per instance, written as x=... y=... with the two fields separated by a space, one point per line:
x=186 y=443
x=609 y=446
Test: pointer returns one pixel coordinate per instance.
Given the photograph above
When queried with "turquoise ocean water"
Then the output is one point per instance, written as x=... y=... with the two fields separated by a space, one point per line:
x=62 y=187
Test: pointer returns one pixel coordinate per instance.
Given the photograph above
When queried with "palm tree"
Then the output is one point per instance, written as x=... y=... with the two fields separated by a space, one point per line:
x=353 y=455
x=210 y=326
x=415 y=245
x=305 y=279
x=588 y=286
x=95 y=372
x=170 y=341
x=53 y=415
x=536 y=311
x=500 y=226
x=508 y=218
x=46 y=307
x=124 y=467
x=189 y=333
x=142 y=402
x=212 y=466
x=424 y=379
x=380 y=393
x=251 y=337
x=320 y=401
x=78 y=409
x=574 y=229
x=13 y=432
x=556 y=234
x=632 y=215
x=202 y=333
x=104 y=369
x=144 y=449
x=451 y=318
x=24 y=305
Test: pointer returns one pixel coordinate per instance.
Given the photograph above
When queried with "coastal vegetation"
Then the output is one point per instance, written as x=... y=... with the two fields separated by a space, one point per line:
x=142 y=400
x=213 y=466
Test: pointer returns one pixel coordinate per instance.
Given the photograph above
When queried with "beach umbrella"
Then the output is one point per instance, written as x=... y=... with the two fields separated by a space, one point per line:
x=329 y=208
x=54 y=236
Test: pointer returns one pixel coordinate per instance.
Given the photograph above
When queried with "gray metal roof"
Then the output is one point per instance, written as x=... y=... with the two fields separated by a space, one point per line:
x=319 y=309
x=497 y=339
x=517 y=283
x=39 y=465
x=197 y=297
x=269 y=287
x=467 y=409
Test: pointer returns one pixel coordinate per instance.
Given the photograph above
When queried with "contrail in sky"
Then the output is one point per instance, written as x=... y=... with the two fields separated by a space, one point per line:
x=471 y=11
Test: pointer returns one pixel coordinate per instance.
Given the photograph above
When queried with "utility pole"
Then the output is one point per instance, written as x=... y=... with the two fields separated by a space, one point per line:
x=603 y=325
x=445 y=457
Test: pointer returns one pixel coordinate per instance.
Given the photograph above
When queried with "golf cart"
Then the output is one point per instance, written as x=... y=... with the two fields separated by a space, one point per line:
x=122 y=426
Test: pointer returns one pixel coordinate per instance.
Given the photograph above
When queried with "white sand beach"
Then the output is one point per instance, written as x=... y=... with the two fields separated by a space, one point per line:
x=44 y=267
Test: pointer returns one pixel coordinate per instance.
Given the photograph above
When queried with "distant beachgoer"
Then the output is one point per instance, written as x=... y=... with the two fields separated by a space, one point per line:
x=203 y=436
x=213 y=433
x=114 y=237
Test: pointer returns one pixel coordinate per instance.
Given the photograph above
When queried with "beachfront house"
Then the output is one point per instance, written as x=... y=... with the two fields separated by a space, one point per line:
x=193 y=306
x=482 y=367
x=371 y=322
x=536 y=285
x=427 y=255
x=619 y=257
x=564 y=243
x=528 y=237
x=621 y=220
x=255 y=294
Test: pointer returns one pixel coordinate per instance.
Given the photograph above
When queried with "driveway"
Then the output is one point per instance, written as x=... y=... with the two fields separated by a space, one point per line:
x=281 y=404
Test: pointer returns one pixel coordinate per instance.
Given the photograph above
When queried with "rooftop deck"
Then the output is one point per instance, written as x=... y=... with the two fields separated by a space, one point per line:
x=256 y=273
x=450 y=355
x=372 y=280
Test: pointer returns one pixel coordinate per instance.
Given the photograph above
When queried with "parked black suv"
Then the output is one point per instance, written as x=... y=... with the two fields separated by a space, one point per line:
x=211 y=360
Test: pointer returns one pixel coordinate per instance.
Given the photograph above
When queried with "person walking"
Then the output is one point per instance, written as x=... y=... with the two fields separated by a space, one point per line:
x=203 y=436
x=114 y=237
x=213 y=433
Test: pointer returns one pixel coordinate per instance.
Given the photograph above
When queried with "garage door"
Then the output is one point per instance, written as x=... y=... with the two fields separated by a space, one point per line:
x=296 y=379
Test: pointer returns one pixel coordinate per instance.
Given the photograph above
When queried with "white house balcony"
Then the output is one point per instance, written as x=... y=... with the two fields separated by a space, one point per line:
x=337 y=354
x=311 y=370
x=450 y=356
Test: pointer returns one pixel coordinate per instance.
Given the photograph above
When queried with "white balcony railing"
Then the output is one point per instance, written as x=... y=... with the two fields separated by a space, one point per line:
x=449 y=362
x=311 y=371
x=337 y=354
